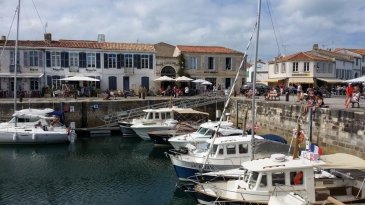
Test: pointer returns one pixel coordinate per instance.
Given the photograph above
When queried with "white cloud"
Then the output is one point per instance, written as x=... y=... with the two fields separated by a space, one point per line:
x=227 y=23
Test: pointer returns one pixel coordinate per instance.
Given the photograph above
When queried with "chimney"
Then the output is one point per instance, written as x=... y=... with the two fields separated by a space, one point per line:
x=101 y=38
x=48 y=37
x=315 y=46
x=3 y=38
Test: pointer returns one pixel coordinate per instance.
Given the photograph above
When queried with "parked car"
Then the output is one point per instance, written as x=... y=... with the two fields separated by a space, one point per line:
x=260 y=87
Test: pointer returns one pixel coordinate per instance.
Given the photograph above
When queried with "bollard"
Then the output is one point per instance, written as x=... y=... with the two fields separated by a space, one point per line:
x=287 y=96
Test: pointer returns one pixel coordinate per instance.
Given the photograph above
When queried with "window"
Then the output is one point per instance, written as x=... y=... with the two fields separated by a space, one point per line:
x=231 y=149
x=228 y=63
x=144 y=61
x=363 y=59
x=74 y=59
x=263 y=182
x=34 y=84
x=306 y=66
x=296 y=177
x=276 y=68
x=91 y=60
x=283 y=70
x=128 y=60
x=357 y=62
x=278 y=178
x=243 y=148
x=55 y=59
x=210 y=63
x=33 y=58
x=295 y=67
x=12 y=58
x=193 y=63
x=112 y=60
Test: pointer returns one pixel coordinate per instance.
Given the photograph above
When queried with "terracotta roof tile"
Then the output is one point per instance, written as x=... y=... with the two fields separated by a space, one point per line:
x=301 y=56
x=84 y=44
x=206 y=49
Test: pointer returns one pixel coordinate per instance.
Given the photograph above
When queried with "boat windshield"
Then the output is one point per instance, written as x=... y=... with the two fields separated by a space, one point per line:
x=25 y=119
x=253 y=179
x=202 y=130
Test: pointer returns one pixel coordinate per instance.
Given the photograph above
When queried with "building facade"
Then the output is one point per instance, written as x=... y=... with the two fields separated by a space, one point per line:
x=119 y=66
x=218 y=65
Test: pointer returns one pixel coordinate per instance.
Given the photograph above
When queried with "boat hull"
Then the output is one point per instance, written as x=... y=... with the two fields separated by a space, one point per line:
x=33 y=138
x=126 y=129
x=142 y=132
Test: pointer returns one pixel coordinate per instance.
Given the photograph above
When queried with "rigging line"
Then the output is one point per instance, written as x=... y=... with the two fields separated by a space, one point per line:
x=7 y=37
x=40 y=19
x=242 y=64
x=273 y=27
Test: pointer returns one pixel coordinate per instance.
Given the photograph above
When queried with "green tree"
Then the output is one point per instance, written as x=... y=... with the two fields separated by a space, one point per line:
x=182 y=66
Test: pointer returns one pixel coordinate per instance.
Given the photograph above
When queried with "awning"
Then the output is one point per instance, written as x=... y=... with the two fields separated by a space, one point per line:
x=79 y=78
x=273 y=80
x=21 y=75
x=331 y=80
x=301 y=80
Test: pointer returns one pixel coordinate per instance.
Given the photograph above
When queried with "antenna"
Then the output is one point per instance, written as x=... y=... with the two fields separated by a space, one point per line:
x=45 y=27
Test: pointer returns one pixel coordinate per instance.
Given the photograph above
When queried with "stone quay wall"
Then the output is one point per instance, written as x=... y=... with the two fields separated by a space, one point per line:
x=87 y=114
x=334 y=130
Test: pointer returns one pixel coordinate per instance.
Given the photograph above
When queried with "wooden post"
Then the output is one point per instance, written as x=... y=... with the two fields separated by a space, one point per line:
x=296 y=144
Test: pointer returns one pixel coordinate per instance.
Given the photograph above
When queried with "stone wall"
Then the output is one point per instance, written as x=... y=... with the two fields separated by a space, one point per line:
x=334 y=130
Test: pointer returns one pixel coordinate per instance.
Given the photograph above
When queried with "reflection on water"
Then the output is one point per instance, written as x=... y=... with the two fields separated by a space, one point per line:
x=111 y=170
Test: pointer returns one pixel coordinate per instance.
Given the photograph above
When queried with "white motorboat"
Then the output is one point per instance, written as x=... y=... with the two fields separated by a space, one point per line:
x=227 y=153
x=164 y=119
x=314 y=179
x=33 y=126
x=205 y=131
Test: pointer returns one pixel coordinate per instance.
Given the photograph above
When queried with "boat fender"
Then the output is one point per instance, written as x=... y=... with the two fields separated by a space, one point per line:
x=33 y=136
x=14 y=137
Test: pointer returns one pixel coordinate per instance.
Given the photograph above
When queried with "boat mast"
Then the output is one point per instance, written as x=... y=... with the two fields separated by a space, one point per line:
x=254 y=78
x=16 y=59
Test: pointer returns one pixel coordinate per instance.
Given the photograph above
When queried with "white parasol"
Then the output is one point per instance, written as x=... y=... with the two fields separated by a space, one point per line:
x=206 y=83
x=164 y=78
x=79 y=78
x=198 y=81
x=183 y=79
x=356 y=80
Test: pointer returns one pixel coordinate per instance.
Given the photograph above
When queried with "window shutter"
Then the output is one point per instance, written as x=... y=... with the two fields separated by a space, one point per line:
x=150 y=61
x=64 y=60
x=119 y=59
x=137 y=61
x=48 y=59
x=26 y=59
x=105 y=60
x=67 y=63
x=122 y=60
x=82 y=60
x=40 y=57
x=97 y=60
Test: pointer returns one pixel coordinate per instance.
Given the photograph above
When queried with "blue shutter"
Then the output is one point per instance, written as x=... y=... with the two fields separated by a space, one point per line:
x=82 y=60
x=137 y=61
x=49 y=81
x=64 y=60
x=48 y=59
x=26 y=59
x=97 y=60
x=122 y=60
x=105 y=60
x=119 y=61
x=151 y=61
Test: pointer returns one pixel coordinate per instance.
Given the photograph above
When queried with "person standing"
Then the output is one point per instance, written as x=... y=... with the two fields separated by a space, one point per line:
x=349 y=91
x=299 y=92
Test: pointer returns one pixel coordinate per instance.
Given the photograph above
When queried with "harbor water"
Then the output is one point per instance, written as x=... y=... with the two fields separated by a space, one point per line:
x=108 y=170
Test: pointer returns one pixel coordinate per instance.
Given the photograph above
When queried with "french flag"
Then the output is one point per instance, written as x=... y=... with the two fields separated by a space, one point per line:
x=315 y=149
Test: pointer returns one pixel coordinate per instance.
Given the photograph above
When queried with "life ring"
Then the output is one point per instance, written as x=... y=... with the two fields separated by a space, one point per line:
x=301 y=137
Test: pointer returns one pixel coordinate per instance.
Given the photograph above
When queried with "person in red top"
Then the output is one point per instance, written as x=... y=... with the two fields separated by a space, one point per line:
x=298 y=179
x=349 y=91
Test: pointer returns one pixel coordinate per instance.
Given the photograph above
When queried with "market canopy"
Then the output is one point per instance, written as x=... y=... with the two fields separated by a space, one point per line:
x=331 y=80
x=164 y=78
x=301 y=80
x=79 y=78
x=206 y=83
x=183 y=79
x=357 y=80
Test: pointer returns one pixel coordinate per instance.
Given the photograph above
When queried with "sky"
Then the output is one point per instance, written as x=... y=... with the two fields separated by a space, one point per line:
x=286 y=26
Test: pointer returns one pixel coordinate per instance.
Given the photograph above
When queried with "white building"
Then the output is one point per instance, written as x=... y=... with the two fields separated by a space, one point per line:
x=262 y=72
x=41 y=63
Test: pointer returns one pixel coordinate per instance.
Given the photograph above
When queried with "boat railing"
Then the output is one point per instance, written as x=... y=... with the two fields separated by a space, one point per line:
x=191 y=102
